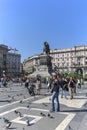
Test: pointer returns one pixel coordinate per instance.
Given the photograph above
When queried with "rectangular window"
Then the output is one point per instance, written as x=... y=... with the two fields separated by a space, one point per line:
x=78 y=59
x=67 y=59
x=67 y=64
x=67 y=54
x=58 y=64
x=71 y=58
x=63 y=64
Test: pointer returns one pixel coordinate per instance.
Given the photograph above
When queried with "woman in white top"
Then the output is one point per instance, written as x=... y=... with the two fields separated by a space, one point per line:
x=38 y=86
x=79 y=84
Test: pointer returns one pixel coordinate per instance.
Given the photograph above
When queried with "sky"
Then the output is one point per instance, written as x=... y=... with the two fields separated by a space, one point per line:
x=27 y=24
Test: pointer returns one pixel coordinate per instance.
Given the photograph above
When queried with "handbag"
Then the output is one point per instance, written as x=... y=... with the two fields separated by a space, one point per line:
x=51 y=90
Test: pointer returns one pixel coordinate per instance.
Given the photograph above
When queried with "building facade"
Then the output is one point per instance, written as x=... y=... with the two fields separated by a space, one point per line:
x=13 y=64
x=71 y=59
x=3 y=58
x=31 y=63
x=9 y=62
x=67 y=60
x=38 y=65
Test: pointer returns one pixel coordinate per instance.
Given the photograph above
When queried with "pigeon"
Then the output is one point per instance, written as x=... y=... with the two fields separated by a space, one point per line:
x=7 y=122
x=50 y=116
x=49 y=99
x=9 y=101
x=44 y=104
x=21 y=101
x=18 y=95
x=9 y=96
x=86 y=94
x=10 y=88
x=28 y=122
x=13 y=97
x=18 y=113
x=70 y=128
x=42 y=114
x=27 y=106
x=24 y=97
x=21 y=94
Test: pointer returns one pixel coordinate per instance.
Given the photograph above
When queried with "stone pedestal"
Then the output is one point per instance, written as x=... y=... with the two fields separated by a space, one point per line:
x=45 y=63
x=44 y=66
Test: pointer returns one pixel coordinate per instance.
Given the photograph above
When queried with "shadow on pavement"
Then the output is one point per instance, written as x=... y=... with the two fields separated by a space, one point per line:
x=5 y=100
x=12 y=128
x=78 y=110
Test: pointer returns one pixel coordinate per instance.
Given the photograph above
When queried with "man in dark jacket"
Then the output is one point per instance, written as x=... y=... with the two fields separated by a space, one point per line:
x=63 y=87
x=55 y=94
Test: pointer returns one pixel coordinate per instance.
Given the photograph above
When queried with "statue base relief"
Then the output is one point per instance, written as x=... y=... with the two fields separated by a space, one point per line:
x=44 y=67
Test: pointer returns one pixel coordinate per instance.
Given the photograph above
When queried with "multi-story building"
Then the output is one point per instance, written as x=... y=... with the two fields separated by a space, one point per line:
x=21 y=69
x=71 y=59
x=31 y=63
x=3 y=58
x=67 y=60
x=9 y=62
x=13 y=64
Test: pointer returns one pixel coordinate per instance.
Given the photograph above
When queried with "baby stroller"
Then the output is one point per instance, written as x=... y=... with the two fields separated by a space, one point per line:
x=4 y=83
x=31 y=89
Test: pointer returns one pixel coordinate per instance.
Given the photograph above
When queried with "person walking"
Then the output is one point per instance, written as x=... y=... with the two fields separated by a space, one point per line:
x=75 y=86
x=63 y=87
x=27 y=83
x=49 y=84
x=71 y=87
x=55 y=94
x=38 y=86
x=79 y=84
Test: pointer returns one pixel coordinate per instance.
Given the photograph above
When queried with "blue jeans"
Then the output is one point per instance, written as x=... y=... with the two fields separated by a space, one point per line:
x=63 y=92
x=55 y=96
x=74 y=89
